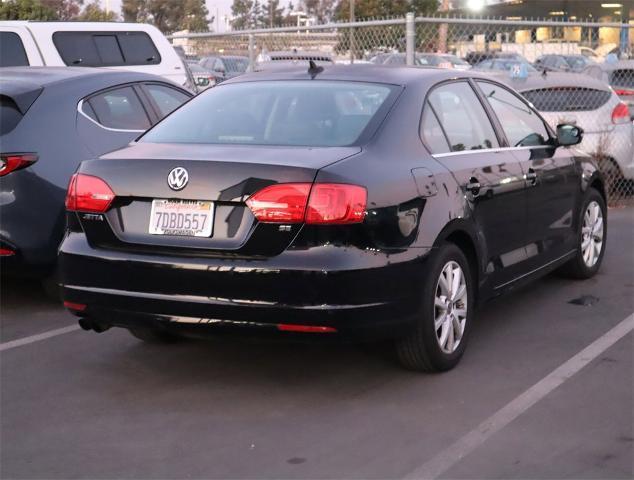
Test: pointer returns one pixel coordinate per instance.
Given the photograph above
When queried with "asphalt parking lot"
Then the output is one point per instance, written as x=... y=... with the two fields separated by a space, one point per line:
x=78 y=404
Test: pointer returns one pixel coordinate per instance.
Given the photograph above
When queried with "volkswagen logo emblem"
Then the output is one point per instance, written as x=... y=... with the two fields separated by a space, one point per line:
x=178 y=178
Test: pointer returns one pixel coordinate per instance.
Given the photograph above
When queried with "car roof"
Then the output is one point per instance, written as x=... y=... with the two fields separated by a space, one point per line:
x=371 y=73
x=536 y=81
x=44 y=76
x=19 y=82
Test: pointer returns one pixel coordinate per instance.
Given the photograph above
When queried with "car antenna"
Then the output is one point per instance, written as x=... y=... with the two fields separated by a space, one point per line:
x=313 y=69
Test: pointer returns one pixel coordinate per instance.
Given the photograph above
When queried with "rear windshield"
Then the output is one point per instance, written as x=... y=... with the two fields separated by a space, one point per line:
x=622 y=78
x=12 y=53
x=284 y=113
x=568 y=99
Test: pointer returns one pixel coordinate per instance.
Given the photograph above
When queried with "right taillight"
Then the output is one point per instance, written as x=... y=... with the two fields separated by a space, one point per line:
x=87 y=193
x=318 y=204
x=621 y=114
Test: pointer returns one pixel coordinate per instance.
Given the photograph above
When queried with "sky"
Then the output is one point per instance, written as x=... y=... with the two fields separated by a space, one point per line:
x=223 y=7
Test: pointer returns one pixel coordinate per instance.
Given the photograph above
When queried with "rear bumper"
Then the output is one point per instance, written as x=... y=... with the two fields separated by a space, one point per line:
x=617 y=144
x=373 y=296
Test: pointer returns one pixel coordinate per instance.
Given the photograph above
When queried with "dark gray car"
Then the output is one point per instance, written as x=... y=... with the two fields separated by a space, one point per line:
x=51 y=119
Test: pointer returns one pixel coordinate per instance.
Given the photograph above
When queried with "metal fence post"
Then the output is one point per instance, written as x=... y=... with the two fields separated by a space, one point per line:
x=251 y=52
x=410 y=38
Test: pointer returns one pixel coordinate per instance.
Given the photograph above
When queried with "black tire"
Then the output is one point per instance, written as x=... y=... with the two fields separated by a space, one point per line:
x=420 y=349
x=576 y=267
x=153 y=335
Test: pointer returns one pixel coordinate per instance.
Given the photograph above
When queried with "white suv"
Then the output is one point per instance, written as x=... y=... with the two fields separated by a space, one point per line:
x=127 y=46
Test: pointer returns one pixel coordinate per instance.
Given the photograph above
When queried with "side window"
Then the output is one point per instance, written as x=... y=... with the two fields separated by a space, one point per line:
x=432 y=133
x=167 y=99
x=463 y=117
x=522 y=126
x=12 y=53
x=120 y=109
x=138 y=48
x=218 y=65
x=96 y=49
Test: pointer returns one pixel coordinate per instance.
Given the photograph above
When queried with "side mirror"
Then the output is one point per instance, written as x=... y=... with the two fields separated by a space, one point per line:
x=568 y=135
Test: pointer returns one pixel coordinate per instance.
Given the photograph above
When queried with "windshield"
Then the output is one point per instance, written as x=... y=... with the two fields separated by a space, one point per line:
x=284 y=113
x=507 y=65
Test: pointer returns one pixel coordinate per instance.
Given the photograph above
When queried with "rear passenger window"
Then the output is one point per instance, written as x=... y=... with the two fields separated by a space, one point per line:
x=120 y=109
x=167 y=99
x=522 y=126
x=98 y=49
x=10 y=115
x=462 y=117
x=12 y=53
x=432 y=133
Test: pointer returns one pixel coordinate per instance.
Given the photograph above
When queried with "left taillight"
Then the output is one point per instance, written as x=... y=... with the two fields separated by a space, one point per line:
x=10 y=162
x=621 y=114
x=87 y=193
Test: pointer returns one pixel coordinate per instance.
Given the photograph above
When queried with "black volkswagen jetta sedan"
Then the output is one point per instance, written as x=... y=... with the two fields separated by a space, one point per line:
x=349 y=202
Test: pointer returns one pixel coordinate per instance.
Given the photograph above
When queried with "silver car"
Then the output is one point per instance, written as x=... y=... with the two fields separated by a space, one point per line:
x=591 y=104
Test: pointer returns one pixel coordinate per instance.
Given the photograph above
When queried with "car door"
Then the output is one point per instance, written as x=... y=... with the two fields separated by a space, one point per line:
x=112 y=118
x=459 y=132
x=552 y=175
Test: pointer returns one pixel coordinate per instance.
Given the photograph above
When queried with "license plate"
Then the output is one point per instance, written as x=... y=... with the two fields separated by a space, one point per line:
x=192 y=218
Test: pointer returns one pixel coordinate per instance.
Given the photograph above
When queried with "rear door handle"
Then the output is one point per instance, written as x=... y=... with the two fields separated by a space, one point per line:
x=531 y=177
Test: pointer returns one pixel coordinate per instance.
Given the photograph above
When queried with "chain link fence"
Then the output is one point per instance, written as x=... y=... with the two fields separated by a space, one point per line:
x=528 y=54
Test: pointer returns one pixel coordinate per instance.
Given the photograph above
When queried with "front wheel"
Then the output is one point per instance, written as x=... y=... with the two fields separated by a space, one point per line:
x=591 y=237
x=440 y=335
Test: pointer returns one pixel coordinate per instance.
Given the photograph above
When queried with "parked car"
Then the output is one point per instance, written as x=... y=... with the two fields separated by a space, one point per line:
x=563 y=63
x=590 y=104
x=52 y=118
x=331 y=202
x=444 y=60
x=294 y=56
x=474 y=58
x=225 y=67
x=203 y=78
x=135 y=47
x=620 y=76
x=503 y=65
x=397 y=59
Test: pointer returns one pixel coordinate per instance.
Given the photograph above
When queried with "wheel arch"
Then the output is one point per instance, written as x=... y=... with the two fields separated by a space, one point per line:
x=463 y=234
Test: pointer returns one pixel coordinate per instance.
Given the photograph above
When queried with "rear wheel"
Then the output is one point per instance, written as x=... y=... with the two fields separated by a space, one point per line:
x=440 y=335
x=591 y=238
x=152 y=335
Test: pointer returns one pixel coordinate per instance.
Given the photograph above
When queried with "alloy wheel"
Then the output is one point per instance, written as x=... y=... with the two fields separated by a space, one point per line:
x=592 y=234
x=450 y=307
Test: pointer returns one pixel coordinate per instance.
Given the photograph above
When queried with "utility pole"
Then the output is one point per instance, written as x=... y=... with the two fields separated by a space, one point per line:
x=352 y=46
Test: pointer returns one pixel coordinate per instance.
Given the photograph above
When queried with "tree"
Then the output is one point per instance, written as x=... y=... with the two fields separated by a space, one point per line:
x=135 y=11
x=195 y=16
x=322 y=10
x=94 y=13
x=242 y=14
x=424 y=7
x=64 y=9
x=26 y=10
x=271 y=15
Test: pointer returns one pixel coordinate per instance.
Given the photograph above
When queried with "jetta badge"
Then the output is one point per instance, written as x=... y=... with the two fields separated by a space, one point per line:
x=178 y=178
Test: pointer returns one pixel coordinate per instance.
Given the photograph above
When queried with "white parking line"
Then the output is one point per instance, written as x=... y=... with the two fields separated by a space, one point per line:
x=500 y=419
x=36 y=338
